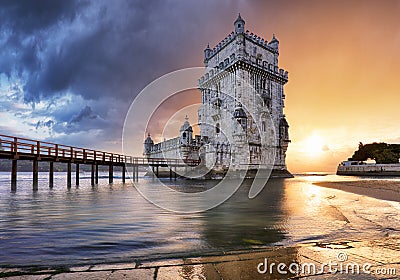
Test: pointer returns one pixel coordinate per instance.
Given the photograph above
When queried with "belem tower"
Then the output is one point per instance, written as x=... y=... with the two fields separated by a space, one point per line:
x=241 y=127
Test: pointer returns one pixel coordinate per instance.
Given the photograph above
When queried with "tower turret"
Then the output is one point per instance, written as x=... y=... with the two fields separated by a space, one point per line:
x=207 y=53
x=186 y=133
x=239 y=25
x=274 y=43
x=284 y=130
x=148 y=145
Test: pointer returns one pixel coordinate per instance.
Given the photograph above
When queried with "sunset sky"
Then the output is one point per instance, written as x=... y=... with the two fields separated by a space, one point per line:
x=70 y=69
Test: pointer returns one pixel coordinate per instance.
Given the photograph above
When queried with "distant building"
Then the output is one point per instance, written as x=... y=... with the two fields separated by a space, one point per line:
x=243 y=117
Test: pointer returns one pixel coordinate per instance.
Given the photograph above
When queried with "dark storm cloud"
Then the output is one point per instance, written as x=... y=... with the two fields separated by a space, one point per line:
x=26 y=16
x=105 y=52
x=85 y=113
x=24 y=24
x=108 y=48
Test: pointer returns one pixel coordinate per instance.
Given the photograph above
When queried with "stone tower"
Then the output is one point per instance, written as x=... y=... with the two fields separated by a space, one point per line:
x=225 y=104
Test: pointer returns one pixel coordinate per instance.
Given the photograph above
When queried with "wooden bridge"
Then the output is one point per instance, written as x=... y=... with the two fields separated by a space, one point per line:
x=16 y=148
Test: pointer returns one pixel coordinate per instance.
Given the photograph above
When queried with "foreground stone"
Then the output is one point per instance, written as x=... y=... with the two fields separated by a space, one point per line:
x=382 y=257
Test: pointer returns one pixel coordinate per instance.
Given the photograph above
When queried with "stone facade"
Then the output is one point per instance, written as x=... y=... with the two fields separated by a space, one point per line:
x=241 y=118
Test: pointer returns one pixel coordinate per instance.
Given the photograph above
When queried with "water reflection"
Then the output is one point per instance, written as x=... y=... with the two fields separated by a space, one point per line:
x=244 y=222
x=114 y=223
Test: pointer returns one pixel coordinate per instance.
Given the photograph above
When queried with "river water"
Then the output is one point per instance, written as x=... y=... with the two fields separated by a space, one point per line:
x=114 y=223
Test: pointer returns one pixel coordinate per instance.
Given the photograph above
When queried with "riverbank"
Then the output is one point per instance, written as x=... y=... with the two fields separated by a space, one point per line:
x=386 y=190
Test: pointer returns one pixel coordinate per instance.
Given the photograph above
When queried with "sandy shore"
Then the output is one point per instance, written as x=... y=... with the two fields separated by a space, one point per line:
x=387 y=190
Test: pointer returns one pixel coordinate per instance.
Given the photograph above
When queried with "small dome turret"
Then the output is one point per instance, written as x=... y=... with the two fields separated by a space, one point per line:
x=186 y=133
x=284 y=130
x=283 y=122
x=148 y=140
x=239 y=113
x=207 y=52
x=148 y=145
x=239 y=25
x=274 y=43
x=186 y=125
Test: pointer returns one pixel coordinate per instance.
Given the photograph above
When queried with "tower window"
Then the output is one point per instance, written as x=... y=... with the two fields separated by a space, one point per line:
x=239 y=25
x=184 y=135
x=217 y=129
x=263 y=127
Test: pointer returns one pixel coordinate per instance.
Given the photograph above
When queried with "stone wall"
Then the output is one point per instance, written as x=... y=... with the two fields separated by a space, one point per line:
x=369 y=169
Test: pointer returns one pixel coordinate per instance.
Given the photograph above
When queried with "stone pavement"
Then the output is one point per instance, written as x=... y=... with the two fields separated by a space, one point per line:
x=376 y=259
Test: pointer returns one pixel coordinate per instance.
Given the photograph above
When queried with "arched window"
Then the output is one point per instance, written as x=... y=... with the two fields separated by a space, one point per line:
x=217 y=128
x=184 y=135
x=263 y=126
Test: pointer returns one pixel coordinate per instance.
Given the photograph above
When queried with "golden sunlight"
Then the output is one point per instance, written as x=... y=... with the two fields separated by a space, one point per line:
x=313 y=146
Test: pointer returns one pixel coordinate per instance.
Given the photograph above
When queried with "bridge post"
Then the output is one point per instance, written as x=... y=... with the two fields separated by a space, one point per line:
x=157 y=171
x=35 y=171
x=110 y=174
x=77 y=174
x=92 y=176
x=51 y=174
x=170 y=173
x=123 y=173
x=175 y=173
x=69 y=175
x=14 y=175
x=96 y=179
x=137 y=172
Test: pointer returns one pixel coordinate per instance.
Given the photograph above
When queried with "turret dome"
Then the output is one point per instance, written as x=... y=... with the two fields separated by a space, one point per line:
x=148 y=140
x=283 y=122
x=239 y=112
x=239 y=25
x=186 y=125
x=274 y=43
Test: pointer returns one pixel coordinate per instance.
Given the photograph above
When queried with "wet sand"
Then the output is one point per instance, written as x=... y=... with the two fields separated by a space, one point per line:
x=387 y=190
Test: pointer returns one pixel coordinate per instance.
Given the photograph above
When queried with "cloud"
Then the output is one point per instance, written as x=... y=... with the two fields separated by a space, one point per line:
x=325 y=148
x=47 y=124
x=97 y=49
x=85 y=113
x=61 y=61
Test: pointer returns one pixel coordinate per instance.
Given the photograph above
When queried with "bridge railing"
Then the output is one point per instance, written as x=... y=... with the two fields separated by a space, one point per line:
x=34 y=148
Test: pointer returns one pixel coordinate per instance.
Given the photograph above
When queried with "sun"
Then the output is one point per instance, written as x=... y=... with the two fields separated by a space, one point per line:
x=313 y=146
